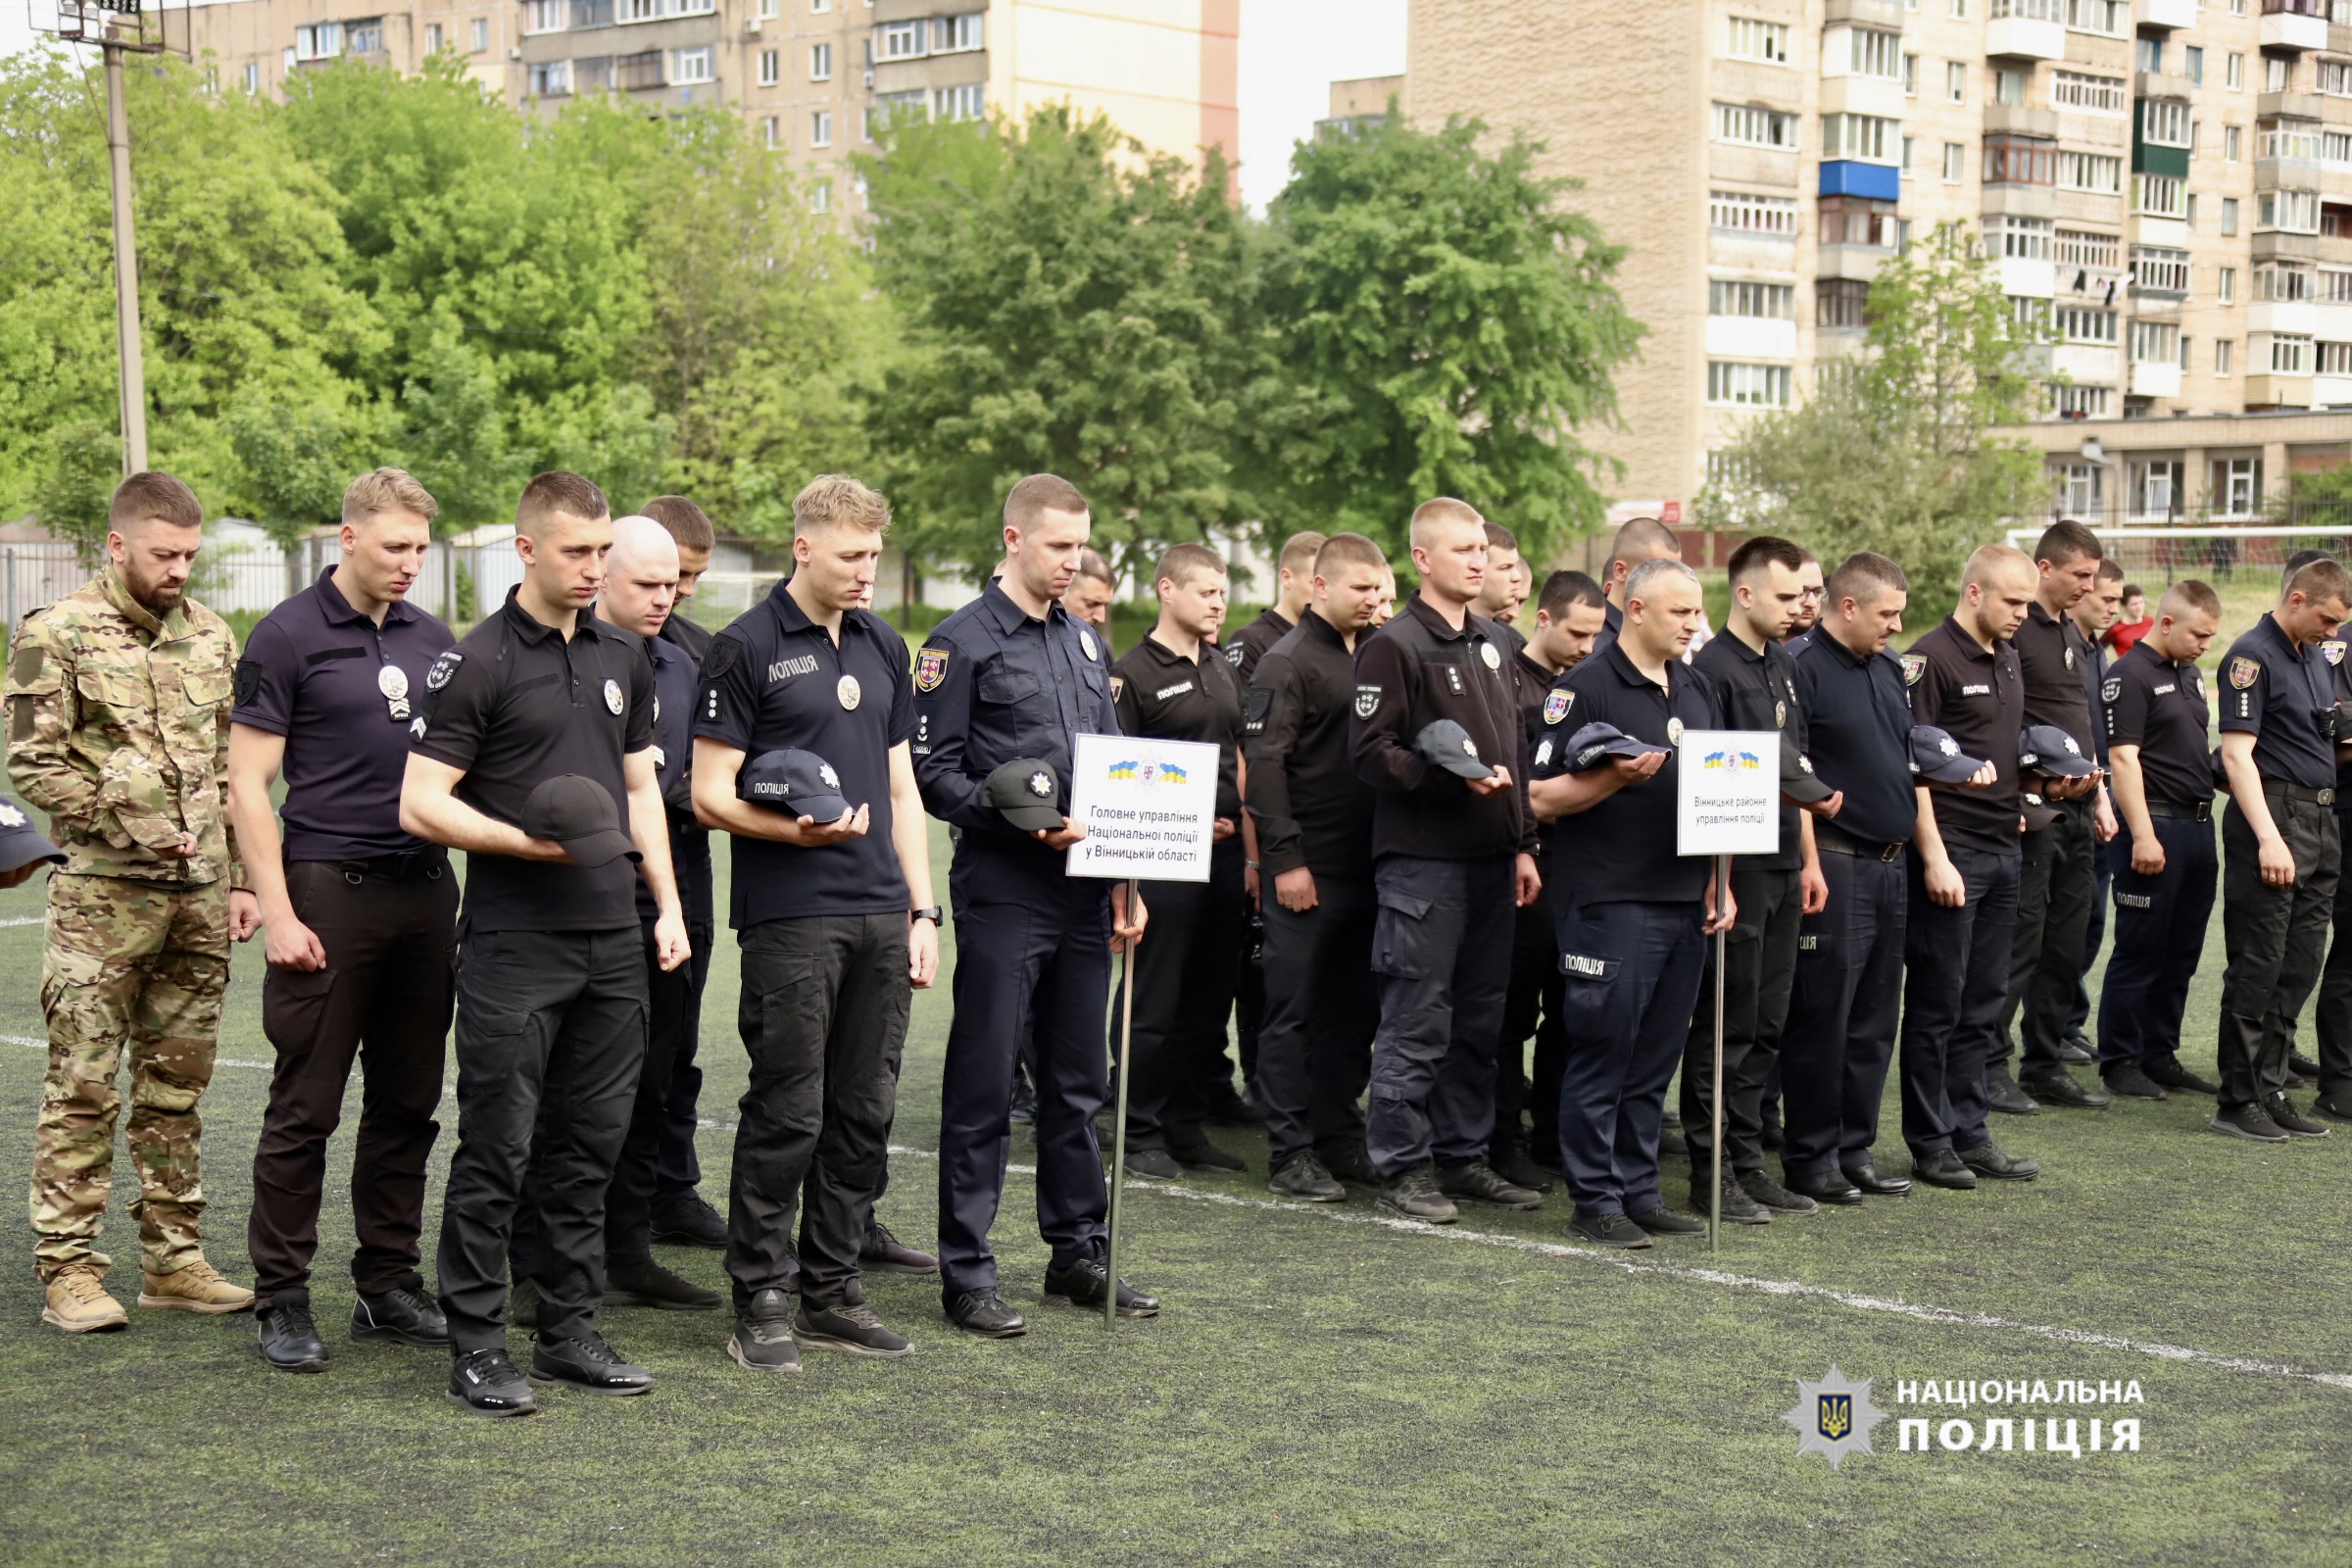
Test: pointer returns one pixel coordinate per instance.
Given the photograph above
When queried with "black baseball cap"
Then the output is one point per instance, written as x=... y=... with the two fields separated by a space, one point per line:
x=578 y=812
x=2047 y=749
x=1797 y=779
x=1596 y=743
x=1937 y=756
x=1449 y=746
x=1026 y=794
x=795 y=782
x=21 y=843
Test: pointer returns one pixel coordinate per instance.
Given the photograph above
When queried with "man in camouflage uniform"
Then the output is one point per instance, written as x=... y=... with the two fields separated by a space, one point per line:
x=119 y=704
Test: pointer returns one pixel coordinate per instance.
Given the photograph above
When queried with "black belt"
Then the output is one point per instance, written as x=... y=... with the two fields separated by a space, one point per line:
x=400 y=867
x=2298 y=791
x=2201 y=812
x=1829 y=838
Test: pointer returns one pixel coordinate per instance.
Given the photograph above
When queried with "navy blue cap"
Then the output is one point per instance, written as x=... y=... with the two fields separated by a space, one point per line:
x=21 y=843
x=2047 y=749
x=1937 y=756
x=795 y=782
x=1449 y=746
x=1596 y=743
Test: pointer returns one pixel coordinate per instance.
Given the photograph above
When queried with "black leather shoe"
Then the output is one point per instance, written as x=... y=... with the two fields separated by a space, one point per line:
x=854 y=1329
x=1205 y=1156
x=1609 y=1230
x=1480 y=1183
x=1738 y=1207
x=641 y=1282
x=1870 y=1184
x=1664 y=1221
x=2078 y=1051
x=986 y=1314
x=1352 y=1164
x=762 y=1340
x=1155 y=1164
x=584 y=1361
x=1943 y=1168
x=2171 y=1075
x=289 y=1339
x=1990 y=1163
x=1826 y=1187
x=2289 y=1119
x=486 y=1383
x=882 y=1252
x=2336 y=1107
x=2060 y=1089
x=402 y=1316
x=2303 y=1067
x=1773 y=1196
x=1512 y=1164
x=2126 y=1081
x=687 y=1220
x=2002 y=1093
x=1304 y=1177
x=1085 y=1282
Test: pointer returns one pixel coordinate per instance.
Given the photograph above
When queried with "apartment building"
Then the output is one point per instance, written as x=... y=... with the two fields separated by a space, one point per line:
x=2167 y=183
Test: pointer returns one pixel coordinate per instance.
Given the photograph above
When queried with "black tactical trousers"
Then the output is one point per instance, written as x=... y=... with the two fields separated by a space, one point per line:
x=1316 y=1054
x=2273 y=937
x=2057 y=881
x=1532 y=1006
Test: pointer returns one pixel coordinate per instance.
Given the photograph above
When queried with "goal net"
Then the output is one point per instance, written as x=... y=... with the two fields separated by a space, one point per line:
x=2161 y=554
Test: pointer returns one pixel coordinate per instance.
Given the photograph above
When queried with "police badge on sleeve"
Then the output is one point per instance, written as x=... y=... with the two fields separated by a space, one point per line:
x=443 y=668
x=1556 y=705
x=930 y=669
x=1367 y=701
x=2332 y=650
x=2244 y=672
x=1914 y=667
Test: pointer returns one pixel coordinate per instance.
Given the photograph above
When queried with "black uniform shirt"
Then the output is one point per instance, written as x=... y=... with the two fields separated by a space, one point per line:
x=1978 y=697
x=2054 y=659
x=2159 y=706
x=775 y=679
x=1310 y=807
x=994 y=685
x=2339 y=671
x=1410 y=673
x=2094 y=681
x=341 y=691
x=1162 y=695
x=1624 y=848
x=516 y=702
x=1612 y=623
x=1513 y=643
x=2276 y=691
x=683 y=633
x=1758 y=691
x=678 y=683
x=1858 y=736
x=1245 y=648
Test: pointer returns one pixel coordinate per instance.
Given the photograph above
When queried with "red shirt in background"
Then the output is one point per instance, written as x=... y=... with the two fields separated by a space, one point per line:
x=2122 y=634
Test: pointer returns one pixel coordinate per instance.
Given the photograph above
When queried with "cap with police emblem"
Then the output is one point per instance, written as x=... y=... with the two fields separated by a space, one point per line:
x=578 y=812
x=2047 y=749
x=1937 y=756
x=795 y=782
x=21 y=843
x=1449 y=746
x=1596 y=743
x=1799 y=781
x=1025 y=793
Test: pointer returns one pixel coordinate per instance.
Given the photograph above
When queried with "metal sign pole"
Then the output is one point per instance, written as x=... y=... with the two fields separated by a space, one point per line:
x=1723 y=894
x=1118 y=1135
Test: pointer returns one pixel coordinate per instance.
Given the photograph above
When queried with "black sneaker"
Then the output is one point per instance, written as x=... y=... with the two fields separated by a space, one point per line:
x=2060 y=1089
x=2126 y=1081
x=1479 y=1183
x=1352 y=1164
x=2303 y=1067
x=852 y=1330
x=1084 y=1284
x=289 y=1339
x=486 y=1383
x=1205 y=1156
x=584 y=1361
x=763 y=1338
x=2076 y=1050
x=1155 y=1163
x=1990 y=1164
x=2001 y=1094
x=1946 y=1169
x=1414 y=1194
x=687 y=1220
x=1608 y=1230
x=1738 y=1207
x=882 y=1252
x=2336 y=1107
x=2171 y=1075
x=1664 y=1221
x=1760 y=1186
x=401 y=1315
x=1514 y=1165
x=641 y=1282
x=2289 y=1119
x=1304 y=1177
x=2250 y=1122
x=986 y=1314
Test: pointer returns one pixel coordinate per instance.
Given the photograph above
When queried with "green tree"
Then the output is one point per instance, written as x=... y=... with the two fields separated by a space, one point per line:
x=1894 y=451
x=1449 y=326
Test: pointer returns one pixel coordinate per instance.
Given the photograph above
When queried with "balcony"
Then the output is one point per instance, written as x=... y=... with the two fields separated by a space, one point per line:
x=2269 y=391
x=2298 y=25
x=1860 y=262
x=1888 y=14
x=2288 y=106
x=2087 y=363
x=1862 y=95
x=2278 y=245
x=2155 y=378
x=2029 y=36
x=1745 y=337
x=2167 y=14
x=1842 y=177
x=2299 y=317
x=2022 y=279
x=2015 y=120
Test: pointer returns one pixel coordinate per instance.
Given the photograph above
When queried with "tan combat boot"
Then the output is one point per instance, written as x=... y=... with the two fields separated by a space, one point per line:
x=78 y=1304
x=197 y=1288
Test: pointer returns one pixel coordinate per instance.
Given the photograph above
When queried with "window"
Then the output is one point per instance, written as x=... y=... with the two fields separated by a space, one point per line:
x=1842 y=303
x=2224 y=350
x=1955 y=83
x=590 y=14
x=820 y=61
x=321 y=42
x=1855 y=220
x=821 y=196
x=2083 y=403
x=2031 y=315
x=2336 y=78
x=1956 y=9
x=2159 y=195
x=1955 y=163
x=2283 y=285
x=2097 y=95
x=253 y=75
x=2020 y=161
x=2082 y=324
x=1906 y=158
x=2295 y=211
x=2026 y=239
x=771 y=67
x=1752 y=215
x=1775 y=302
x=593 y=73
x=2233 y=72
x=2091 y=171
x=1910 y=76
x=2335 y=359
x=1757 y=386
x=2194 y=64
x=2287 y=141
x=433 y=37
x=2159 y=270
x=2188 y=214
x=821 y=129
x=1865 y=137
x=2290 y=354
x=481 y=36
x=2155 y=342
x=543 y=15
x=2078 y=483
x=2335 y=286
x=551 y=78
x=2237 y=486
x=690 y=66
x=771 y=132
x=2233 y=145
x=2184 y=352
x=2009 y=87
x=905 y=40
x=2108 y=17
x=967 y=102
x=1746 y=38
x=633 y=72
x=2336 y=147
x=2228 y=214
x=819 y=7
x=956 y=35
x=2155 y=488
x=2226 y=285
x=915 y=103
x=2147 y=55
x=2275 y=74
x=1754 y=126
x=2081 y=249
x=2164 y=122
x=770 y=9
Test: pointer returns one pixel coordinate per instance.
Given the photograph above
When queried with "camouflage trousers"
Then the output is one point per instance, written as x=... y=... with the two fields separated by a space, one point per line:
x=133 y=966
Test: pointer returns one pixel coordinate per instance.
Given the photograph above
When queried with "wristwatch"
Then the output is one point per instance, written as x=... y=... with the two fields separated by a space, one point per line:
x=932 y=914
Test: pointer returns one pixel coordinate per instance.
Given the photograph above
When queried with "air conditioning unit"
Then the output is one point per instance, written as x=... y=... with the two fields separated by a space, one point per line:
x=515 y=51
x=751 y=25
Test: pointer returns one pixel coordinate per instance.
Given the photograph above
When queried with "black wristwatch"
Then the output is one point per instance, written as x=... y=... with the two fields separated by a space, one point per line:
x=932 y=914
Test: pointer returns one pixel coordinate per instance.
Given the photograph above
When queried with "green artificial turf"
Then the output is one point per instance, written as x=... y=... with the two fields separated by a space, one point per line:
x=1316 y=1391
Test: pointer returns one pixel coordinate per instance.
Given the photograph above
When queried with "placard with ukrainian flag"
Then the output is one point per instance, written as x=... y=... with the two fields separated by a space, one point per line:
x=1727 y=792
x=1150 y=807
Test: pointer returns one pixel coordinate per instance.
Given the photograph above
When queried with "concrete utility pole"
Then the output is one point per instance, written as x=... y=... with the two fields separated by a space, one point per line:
x=127 y=256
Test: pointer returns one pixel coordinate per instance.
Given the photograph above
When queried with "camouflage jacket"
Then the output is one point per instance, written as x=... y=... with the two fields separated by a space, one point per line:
x=118 y=729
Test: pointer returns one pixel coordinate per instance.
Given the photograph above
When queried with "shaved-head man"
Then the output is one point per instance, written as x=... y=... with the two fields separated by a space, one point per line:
x=1640 y=540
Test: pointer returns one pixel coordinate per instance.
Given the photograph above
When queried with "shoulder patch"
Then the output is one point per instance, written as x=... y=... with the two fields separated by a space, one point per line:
x=2113 y=689
x=1367 y=701
x=443 y=668
x=1255 y=705
x=2332 y=650
x=1914 y=667
x=25 y=668
x=1234 y=652
x=724 y=652
x=930 y=669
x=2244 y=672
x=1556 y=705
x=1118 y=685
x=249 y=680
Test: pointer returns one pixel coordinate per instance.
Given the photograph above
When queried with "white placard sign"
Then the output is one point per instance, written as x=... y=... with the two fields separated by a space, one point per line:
x=1727 y=796
x=1150 y=807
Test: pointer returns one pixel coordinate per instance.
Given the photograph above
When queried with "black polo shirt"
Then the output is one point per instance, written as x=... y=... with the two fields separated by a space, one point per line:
x=2159 y=706
x=775 y=679
x=1858 y=736
x=1410 y=673
x=516 y=702
x=2340 y=672
x=1163 y=695
x=2277 y=692
x=341 y=689
x=1758 y=692
x=1978 y=697
x=2054 y=660
x=1623 y=850
x=1245 y=648
x=1310 y=807
x=677 y=687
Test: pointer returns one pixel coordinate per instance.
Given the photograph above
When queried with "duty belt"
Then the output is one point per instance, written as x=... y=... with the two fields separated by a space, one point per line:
x=1829 y=838
x=399 y=867
x=2200 y=811
x=2298 y=791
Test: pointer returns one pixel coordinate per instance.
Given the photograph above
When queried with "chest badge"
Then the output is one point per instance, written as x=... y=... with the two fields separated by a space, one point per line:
x=2244 y=672
x=393 y=682
x=1914 y=667
x=612 y=702
x=2069 y=659
x=1556 y=705
x=930 y=669
x=1487 y=652
x=1086 y=642
x=847 y=690
x=1674 y=731
x=1780 y=716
